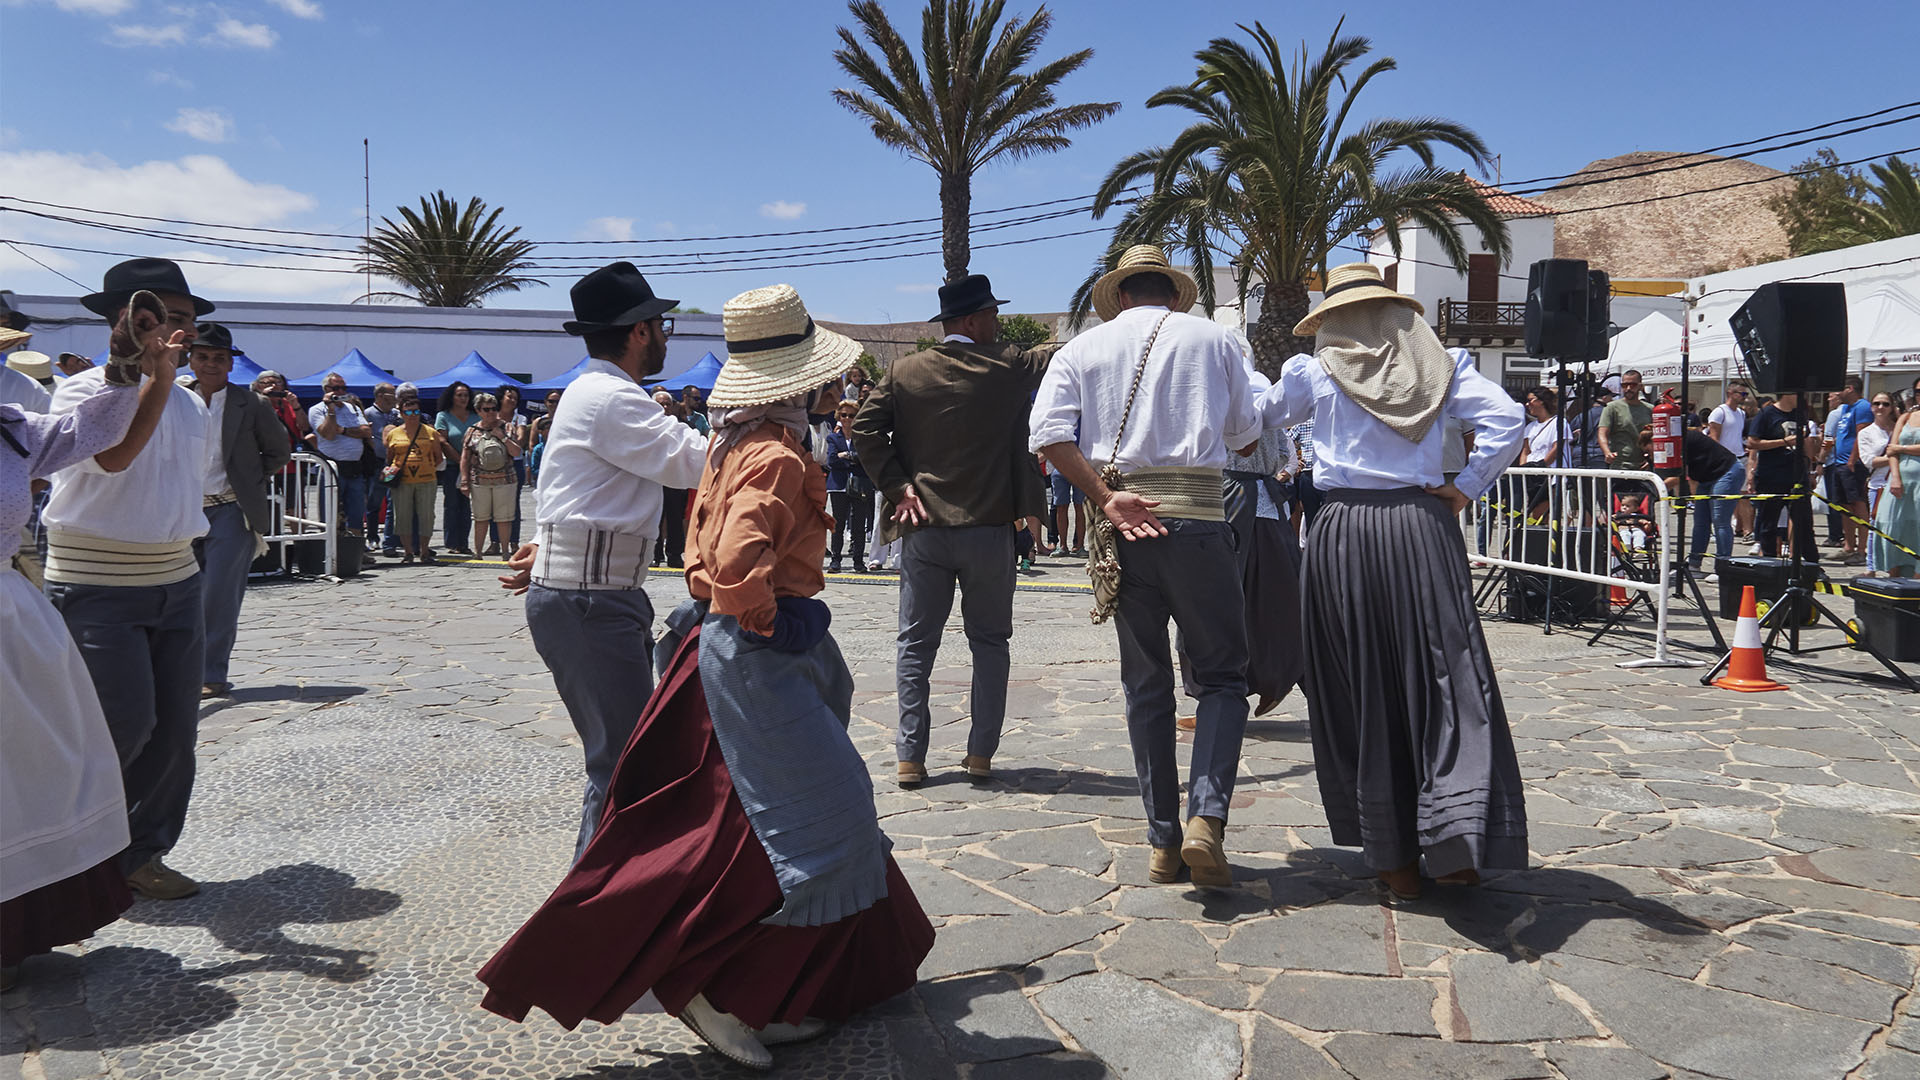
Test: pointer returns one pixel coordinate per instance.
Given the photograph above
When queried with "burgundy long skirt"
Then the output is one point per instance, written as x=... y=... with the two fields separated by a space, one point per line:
x=62 y=913
x=669 y=896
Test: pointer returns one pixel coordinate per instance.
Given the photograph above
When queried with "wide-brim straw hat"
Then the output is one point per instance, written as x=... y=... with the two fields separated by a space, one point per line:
x=774 y=350
x=10 y=337
x=1141 y=259
x=1354 y=283
x=37 y=366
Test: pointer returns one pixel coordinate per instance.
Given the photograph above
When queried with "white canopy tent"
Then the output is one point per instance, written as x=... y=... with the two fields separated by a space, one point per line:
x=1883 y=329
x=1652 y=347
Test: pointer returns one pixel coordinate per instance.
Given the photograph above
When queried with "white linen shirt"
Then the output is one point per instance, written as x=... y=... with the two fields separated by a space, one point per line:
x=155 y=500
x=1195 y=405
x=1352 y=449
x=609 y=453
x=22 y=390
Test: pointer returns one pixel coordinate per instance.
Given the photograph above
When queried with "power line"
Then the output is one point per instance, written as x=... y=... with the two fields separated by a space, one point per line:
x=657 y=240
x=40 y=264
x=1728 y=146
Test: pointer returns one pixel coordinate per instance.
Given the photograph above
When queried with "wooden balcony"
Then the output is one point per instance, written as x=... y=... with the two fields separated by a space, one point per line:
x=1486 y=321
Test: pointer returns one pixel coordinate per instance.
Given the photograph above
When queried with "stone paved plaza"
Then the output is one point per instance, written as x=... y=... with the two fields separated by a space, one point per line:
x=1726 y=885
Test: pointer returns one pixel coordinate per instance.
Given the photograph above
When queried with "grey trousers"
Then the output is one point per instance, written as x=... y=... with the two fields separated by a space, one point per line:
x=225 y=554
x=599 y=645
x=142 y=645
x=978 y=558
x=1190 y=576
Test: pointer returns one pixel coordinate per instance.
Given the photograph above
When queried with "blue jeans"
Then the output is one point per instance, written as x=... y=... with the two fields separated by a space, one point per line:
x=456 y=529
x=143 y=647
x=353 y=496
x=1717 y=513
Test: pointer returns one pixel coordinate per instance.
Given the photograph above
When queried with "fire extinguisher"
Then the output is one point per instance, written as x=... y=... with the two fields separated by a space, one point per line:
x=1668 y=430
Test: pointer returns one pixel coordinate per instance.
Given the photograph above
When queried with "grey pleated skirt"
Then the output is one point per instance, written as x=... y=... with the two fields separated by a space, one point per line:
x=1410 y=738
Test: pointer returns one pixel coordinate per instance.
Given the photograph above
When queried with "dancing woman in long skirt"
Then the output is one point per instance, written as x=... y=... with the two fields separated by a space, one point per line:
x=739 y=872
x=1410 y=739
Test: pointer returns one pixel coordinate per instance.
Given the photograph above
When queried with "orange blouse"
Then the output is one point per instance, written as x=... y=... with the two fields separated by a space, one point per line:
x=759 y=529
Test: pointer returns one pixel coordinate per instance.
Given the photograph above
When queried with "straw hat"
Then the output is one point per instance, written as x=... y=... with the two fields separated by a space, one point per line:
x=37 y=366
x=1352 y=284
x=1141 y=259
x=774 y=350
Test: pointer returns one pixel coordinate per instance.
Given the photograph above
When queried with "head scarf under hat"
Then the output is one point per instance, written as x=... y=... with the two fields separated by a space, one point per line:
x=1389 y=362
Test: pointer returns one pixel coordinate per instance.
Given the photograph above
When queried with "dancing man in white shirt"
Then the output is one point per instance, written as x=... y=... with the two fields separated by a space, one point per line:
x=1164 y=397
x=608 y=455
x=1410 y=739
x=121 y=572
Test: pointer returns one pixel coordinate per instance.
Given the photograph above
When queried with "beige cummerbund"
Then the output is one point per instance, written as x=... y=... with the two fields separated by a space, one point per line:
x=572 y=557
x=78 y=559
x=1194 y=494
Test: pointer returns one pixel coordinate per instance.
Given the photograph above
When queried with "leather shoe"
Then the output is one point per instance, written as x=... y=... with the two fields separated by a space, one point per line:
x=158 y=881
x=1404 y=883
x=781 y=1034
x=1186 y=723
x=1163 y=866
x=1203 y=852
x=912 y=773
x=1266 y=705
x=215 y=690
x=977 y=766
x=725 y=1033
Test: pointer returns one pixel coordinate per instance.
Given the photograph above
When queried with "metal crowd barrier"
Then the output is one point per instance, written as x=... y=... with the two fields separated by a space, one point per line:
x=304 y=500
x=1612 y=529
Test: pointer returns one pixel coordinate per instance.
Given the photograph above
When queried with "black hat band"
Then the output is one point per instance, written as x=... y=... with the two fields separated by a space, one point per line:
x=767 y=344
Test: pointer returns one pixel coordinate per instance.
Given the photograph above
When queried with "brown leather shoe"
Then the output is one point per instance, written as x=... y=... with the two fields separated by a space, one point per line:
x=1204 y=854
x=912 y=774
x=158 y=881
x=1186 y=723
x=1163 y=865
x=1469 y=876
x=1404 y=883
x=978 y=767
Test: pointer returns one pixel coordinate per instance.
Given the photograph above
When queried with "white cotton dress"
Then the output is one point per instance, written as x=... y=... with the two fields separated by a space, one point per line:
x=62 y=809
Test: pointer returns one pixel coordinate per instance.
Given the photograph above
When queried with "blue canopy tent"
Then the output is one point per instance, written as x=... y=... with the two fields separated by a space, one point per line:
x=361 y=375
x=560 y=381
x=701 y=375
x=473 y=370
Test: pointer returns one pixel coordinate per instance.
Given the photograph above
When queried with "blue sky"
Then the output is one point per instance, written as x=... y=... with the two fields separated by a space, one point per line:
x=639 y=121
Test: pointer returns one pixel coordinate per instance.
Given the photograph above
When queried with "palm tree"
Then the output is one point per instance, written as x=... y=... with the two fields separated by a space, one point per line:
x=1269 y=177
x=447 y=256
x=974 y=104
x=1888 y=208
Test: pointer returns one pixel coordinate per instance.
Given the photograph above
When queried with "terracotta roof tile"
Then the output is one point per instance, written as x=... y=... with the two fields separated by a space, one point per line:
x=1510 y=205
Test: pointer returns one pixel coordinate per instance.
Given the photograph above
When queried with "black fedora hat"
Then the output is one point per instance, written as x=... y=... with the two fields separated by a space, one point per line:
x=614 y=295
x=211 y=335
x=964 y=297
x=154 y=275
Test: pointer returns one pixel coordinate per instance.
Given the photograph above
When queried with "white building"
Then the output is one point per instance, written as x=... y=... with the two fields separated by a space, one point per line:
x=298 y=340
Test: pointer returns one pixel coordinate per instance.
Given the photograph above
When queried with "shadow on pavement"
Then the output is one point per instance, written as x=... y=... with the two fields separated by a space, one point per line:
x=1563 y=903
x=249 y=695
x=1279 y=730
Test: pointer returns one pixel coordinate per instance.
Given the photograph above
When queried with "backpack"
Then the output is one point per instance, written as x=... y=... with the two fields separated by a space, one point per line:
x=490 y=453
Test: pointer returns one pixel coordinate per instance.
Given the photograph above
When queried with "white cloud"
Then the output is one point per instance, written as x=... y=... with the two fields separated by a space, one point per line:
x=136 y=36
x=666 y=228
x=300 y=9
x=207 y=125
x=202 y=187
x=917 y=287
x=168 y=78
x=783 y=210
x=608 y=228
x=93 y=7
x=245 y=35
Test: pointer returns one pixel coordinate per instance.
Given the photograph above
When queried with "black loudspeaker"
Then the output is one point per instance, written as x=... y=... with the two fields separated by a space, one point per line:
x=1557 y=309
x=1574 y=601
x=1794 y=336
x=1599 y=314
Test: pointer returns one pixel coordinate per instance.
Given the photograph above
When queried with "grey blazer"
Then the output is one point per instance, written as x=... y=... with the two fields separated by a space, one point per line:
x=253 y=442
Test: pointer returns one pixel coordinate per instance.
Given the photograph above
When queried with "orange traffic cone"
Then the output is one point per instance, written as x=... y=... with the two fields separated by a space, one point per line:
x=1747 y=663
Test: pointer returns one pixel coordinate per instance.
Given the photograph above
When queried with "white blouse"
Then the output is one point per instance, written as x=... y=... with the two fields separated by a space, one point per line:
x=609 y=453
x=1352 y=449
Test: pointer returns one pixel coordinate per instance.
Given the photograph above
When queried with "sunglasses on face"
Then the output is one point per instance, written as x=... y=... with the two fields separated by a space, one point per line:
x=489 y=408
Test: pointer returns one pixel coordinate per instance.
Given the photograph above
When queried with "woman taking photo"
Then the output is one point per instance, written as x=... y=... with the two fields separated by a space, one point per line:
x=413 y=456
x=455 y=415
x=739 y=872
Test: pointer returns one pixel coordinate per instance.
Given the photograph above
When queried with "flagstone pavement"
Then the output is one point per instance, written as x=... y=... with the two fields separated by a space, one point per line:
x=1725 y=885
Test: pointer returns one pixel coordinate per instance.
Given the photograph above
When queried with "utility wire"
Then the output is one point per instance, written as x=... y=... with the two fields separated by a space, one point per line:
x=37 y=262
